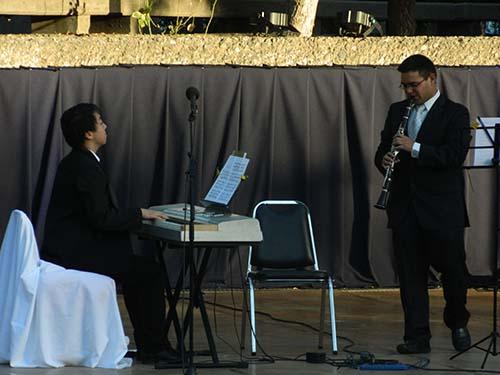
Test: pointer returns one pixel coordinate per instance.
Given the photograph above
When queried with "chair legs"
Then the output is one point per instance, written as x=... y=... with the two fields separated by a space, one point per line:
x=244 y=309
x=332 y=316
x=253 y=327
x=322 y=317
x=251 y=297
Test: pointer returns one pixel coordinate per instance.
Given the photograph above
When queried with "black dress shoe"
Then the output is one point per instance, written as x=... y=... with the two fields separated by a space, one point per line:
x=167 y=356
x=131 y=354
x=460 y=337
x=414 y=347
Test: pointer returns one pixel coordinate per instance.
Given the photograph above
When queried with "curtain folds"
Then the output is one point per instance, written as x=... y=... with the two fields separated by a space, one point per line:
x=310 y=133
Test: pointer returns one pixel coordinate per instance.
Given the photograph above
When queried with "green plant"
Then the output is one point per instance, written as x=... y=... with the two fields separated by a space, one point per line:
x=181 y=23
x=144 y=19
x=214 y=4
x=188 y=22
x=143 y=16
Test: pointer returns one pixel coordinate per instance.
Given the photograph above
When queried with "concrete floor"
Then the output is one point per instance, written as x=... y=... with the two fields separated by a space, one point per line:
x=371 y=319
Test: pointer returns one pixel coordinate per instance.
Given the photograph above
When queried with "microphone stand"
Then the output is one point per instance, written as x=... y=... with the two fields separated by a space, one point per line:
x=191 y=370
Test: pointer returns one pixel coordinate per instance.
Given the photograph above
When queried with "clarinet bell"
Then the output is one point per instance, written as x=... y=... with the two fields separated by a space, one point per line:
x=382 y=200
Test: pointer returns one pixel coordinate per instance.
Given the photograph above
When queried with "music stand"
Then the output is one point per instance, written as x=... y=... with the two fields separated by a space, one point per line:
x=481 y=160
x=223 y=189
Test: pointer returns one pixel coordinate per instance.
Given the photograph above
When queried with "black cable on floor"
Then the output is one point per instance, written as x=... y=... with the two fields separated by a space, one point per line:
x=270 y=316
x=423 y=367
x=350 y=361
x=252 y=360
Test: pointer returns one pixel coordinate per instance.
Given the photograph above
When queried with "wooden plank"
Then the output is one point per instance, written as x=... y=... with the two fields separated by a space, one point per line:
x=35 y=8
x=63 y=25
x=425 y=10
x=303 y=16
x=57 y=7
x=114 y=6
x=95 y=7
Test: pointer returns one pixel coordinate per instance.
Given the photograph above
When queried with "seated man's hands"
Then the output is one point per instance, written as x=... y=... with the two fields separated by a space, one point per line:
x=153 y=214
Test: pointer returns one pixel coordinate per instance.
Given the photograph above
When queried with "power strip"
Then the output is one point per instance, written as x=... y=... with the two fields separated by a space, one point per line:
x=384 y=367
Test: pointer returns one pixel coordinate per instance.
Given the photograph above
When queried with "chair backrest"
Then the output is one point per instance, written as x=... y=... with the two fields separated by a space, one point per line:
x=288 y=240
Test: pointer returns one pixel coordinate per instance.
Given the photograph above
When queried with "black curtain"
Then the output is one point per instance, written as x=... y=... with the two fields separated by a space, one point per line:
x=311 y=134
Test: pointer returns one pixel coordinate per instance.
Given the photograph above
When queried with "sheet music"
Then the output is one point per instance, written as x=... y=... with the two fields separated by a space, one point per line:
x=483 y=138
x=228 y=180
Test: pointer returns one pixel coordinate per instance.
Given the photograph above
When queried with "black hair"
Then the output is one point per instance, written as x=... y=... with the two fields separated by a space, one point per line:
x=418 y=63
x=78 y=120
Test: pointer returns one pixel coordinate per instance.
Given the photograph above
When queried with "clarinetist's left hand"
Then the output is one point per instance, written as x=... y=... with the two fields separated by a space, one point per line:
x=402 y=143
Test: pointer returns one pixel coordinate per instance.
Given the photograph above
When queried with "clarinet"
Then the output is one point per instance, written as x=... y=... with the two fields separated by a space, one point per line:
x=386 y=187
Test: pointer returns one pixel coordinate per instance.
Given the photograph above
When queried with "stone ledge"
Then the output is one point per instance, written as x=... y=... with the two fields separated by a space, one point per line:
x=57 y=50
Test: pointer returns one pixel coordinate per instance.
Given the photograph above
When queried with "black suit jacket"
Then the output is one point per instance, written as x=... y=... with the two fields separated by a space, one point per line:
x=84 y=228
x=433 y=184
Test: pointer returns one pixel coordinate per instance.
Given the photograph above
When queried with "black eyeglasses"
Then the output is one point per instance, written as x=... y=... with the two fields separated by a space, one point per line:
x=411 y=85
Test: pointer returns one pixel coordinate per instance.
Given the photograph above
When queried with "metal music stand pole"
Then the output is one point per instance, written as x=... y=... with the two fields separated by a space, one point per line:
x=494 y=335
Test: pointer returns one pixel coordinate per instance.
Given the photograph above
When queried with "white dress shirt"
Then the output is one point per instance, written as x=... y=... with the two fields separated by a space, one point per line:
x=417 y=117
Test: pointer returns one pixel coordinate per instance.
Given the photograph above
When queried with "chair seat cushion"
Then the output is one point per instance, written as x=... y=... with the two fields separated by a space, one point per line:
x=287 y=274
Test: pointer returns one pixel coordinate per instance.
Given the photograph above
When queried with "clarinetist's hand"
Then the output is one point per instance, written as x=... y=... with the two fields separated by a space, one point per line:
x=402 y=143
x=387 y=160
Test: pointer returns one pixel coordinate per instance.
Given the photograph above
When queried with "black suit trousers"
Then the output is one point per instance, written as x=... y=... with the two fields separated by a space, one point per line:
x=416 y=249
x=143 y=286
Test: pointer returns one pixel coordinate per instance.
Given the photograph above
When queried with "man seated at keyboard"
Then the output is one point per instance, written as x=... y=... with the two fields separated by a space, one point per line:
x=86 y=230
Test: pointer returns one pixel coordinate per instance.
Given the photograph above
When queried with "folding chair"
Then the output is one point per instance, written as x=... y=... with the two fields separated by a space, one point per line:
x=286 y=256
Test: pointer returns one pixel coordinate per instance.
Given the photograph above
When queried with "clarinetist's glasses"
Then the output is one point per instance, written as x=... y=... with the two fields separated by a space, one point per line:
x=411 y=85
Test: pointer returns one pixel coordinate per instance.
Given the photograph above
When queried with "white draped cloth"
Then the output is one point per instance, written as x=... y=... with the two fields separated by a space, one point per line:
x=51 y=316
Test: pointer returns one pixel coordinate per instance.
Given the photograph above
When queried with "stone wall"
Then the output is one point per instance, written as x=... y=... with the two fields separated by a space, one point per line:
x=56 y=50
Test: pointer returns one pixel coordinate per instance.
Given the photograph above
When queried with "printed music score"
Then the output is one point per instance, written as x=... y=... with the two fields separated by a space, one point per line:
x=228 y=180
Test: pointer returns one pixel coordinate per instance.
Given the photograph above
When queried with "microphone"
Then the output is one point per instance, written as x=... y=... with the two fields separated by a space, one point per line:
x=193 y=94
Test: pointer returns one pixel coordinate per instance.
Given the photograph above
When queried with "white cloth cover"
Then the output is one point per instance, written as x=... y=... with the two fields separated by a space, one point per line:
x=51 y=316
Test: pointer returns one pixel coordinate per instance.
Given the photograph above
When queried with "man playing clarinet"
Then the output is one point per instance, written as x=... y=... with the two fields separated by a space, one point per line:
x=426 y=206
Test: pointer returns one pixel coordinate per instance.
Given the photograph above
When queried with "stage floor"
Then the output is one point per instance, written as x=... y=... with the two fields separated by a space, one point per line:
x=370 y=318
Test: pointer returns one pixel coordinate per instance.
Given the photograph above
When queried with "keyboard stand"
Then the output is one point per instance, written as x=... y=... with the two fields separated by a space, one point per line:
x=203 y=252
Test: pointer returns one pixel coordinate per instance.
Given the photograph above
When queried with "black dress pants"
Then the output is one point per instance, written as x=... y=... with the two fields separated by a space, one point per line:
x=417 y=248
x=144 y=294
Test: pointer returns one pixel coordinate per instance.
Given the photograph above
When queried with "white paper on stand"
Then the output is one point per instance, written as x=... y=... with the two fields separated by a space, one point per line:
x=228 y=180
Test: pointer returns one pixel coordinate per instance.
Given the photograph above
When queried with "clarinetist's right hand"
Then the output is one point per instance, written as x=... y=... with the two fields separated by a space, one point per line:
x=387 y=160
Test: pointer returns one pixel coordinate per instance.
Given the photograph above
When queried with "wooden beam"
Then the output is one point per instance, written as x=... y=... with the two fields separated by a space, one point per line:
x=303 y=16
x=57 y=7
x=114 y=6
x=62 y=25
x=425 y=10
